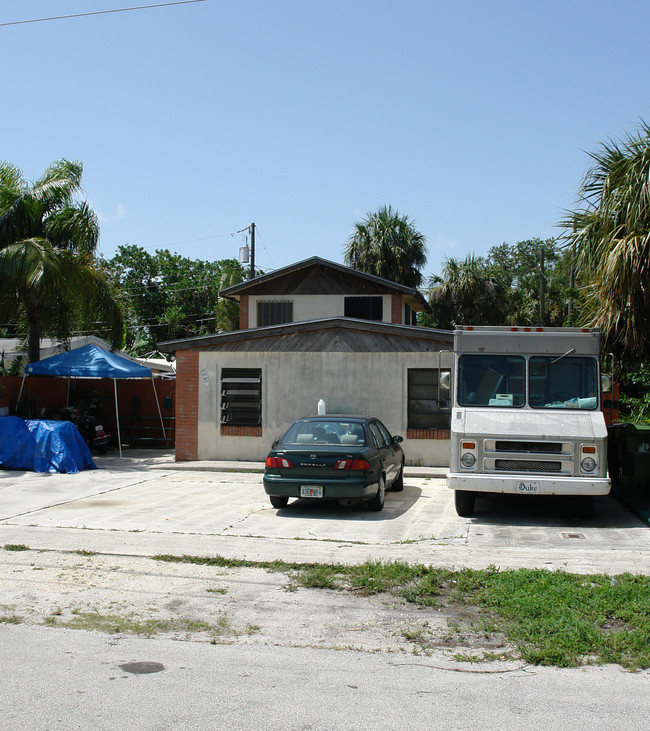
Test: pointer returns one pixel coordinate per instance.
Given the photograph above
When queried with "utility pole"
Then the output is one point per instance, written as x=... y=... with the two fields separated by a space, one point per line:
x=572 y=284
x=252 y=269
x=542 y=287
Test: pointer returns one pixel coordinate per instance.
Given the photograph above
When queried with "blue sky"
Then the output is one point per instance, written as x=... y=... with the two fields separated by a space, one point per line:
x=472 y=118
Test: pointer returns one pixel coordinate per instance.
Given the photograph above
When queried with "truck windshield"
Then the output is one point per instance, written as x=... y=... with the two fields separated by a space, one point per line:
x=563 y=383
x=491 y=380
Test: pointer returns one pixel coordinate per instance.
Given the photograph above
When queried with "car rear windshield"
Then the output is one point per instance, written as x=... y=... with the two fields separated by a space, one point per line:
x=308 y=433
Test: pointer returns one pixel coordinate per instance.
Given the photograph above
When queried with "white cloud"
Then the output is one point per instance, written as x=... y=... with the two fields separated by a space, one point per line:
x=118 y=214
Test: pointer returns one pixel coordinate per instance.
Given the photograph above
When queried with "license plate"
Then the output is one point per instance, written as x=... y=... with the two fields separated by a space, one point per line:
x=311 y=491
x=528 y=488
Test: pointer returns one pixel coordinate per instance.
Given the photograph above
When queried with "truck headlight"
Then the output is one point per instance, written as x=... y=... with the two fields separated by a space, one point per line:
x=468 y=460
x=588 y=464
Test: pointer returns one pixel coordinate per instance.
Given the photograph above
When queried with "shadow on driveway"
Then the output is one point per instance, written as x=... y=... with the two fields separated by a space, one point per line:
x=553 y=511
x=396 y=505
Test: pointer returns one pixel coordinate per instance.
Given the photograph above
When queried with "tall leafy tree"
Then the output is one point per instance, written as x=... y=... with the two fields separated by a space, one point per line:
x=467 y=293
x=226 y=310
x=48 y=273
x=387 y=245
x=518 y=268
x=610 y=233
x=168 y=296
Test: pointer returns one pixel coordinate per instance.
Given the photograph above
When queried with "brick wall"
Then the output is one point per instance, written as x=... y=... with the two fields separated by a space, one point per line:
x=396 y=309
x=241 y=431
x=428 y=434
x=243 y=312
x=187 y=405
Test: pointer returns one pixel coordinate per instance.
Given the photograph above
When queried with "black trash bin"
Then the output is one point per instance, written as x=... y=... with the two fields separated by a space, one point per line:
x=628 y=456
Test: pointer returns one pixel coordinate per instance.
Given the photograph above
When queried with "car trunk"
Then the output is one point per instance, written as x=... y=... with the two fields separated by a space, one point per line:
x=317 y=462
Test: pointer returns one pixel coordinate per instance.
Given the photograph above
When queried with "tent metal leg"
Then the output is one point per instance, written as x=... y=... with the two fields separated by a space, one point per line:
x=117 y=418
x=20 y=393
x=155 y=393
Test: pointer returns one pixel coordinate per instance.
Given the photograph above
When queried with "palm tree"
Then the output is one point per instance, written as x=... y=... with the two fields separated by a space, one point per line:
x=227 y=311
x=387 y=245
x=47 y=269
x=610 y=232
x=467 y=293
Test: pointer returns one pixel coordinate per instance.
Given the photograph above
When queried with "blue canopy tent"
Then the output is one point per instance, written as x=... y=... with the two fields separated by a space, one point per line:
x=92 y=362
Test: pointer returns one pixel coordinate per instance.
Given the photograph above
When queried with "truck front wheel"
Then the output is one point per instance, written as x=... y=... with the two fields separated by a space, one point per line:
x=464 y=501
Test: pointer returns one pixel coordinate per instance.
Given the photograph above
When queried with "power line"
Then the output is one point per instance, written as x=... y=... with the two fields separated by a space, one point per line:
x=186 y=241
x=266 y=250
x=101 y=12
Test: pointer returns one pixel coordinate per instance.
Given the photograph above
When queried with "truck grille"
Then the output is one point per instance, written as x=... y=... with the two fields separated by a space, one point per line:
x=521 y=465
x=530 y=447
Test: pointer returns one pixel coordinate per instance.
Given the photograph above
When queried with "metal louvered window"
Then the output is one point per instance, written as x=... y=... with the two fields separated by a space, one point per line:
x=426 y=410
x=276 y=312
x=241 y=396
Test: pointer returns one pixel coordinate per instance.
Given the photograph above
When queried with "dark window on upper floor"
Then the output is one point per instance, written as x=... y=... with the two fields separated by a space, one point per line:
x=365 y=308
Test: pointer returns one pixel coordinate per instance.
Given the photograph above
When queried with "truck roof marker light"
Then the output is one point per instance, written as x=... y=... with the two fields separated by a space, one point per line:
x=585 y=330
x=514 y=329
x=539 y=329
x=527 y=329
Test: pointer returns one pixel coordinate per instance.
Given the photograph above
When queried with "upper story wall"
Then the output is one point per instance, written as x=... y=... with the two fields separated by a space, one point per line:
x=317 y=289
x=266 y=309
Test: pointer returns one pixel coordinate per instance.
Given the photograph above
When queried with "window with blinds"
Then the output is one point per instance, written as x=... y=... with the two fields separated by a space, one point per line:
x=424 y=407
x=241 y=396
x=274 y=313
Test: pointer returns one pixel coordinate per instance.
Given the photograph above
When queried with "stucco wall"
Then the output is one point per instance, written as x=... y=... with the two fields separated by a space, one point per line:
x=292 y=384
x=312 y=306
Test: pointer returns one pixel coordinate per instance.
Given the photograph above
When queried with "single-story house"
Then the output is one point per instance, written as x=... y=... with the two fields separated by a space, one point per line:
x=237 y=392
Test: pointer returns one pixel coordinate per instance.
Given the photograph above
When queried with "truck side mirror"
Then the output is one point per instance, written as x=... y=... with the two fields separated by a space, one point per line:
x=445 y=380
x=605 y=383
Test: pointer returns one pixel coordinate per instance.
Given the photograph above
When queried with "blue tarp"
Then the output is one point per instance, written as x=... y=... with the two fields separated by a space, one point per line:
x=88 y=362
x=43 y=446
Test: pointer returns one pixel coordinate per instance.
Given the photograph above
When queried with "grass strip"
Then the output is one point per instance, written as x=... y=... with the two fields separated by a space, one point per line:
x=552 y=617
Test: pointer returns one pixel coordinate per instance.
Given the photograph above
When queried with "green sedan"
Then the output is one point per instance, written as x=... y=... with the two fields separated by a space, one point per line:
x=346 y=458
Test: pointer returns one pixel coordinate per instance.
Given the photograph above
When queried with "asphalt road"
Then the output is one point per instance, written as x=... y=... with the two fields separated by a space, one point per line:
x=62 y=679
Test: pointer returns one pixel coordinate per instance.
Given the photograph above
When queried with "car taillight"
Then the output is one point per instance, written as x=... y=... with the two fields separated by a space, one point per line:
x=278 y=462
x=352 y=464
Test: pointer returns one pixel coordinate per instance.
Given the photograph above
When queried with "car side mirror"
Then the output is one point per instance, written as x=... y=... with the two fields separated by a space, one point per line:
x=397 y=439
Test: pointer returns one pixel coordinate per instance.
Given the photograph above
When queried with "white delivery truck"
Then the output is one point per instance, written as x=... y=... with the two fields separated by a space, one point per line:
x=526 y=415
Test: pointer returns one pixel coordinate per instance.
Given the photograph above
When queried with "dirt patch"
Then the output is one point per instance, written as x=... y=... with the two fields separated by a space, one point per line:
x=127 y=595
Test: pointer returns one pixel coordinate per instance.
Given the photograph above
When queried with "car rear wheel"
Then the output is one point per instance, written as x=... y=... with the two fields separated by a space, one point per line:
x=279 y=501
x=377 y=502
x=464 y=500
x=398 y=485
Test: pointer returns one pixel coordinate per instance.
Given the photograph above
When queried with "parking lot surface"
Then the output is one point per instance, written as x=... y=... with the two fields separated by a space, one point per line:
x=145 y=504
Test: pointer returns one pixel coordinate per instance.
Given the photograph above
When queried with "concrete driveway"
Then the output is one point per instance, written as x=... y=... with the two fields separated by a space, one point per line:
x=146 y=504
